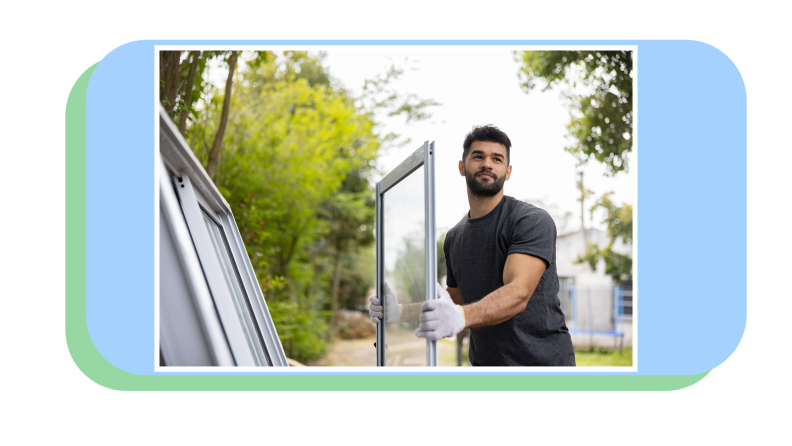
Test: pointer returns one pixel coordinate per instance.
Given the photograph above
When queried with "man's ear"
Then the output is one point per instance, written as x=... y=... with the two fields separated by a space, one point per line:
x=508 y=172
x=462 y=168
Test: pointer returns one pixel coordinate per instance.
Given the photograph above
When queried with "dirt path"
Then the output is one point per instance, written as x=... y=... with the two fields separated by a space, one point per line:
x=361 y=352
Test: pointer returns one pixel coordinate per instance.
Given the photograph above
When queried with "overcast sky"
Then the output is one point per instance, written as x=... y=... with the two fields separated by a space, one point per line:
x=480 y=86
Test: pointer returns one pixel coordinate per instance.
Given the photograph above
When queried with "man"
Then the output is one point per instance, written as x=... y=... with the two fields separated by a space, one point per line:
x=502 y=280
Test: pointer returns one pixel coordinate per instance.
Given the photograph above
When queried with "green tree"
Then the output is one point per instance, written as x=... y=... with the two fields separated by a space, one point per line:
x=182 y=83
x=410 y=274
x=442 y=269
x=293 y=146
x=169 y=79
x=599 y=91
x=619 y=220
x=288 y=148
x=349 y=216
x=214 y=152
x=295 y=167
x=358 y=276
x=195 y=57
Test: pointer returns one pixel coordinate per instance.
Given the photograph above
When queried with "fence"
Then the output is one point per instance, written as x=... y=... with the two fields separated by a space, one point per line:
x=597 y=311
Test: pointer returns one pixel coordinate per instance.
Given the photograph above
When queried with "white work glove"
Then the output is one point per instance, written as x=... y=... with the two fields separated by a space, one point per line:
x=440 y=318
x=393 y=309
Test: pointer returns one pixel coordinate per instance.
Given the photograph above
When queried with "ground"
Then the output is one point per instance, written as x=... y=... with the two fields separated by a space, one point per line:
x=603 y=358
x=361 y=352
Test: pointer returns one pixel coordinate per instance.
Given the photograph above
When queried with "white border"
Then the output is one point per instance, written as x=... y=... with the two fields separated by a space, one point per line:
x=156 y=157
x=400 y=370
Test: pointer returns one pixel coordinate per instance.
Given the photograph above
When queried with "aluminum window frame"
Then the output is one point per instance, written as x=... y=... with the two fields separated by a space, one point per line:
x=200 y=341
x=196 y=190
x=424 y=156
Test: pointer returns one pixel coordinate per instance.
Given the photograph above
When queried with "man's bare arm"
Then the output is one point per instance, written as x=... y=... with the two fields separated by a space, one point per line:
x=521 y=274
x=456 y=296
x=412 y=312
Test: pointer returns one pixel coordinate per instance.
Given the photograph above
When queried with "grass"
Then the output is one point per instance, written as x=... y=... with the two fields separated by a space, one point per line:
x=361 y=352
x=603 y=358
x=592 y=357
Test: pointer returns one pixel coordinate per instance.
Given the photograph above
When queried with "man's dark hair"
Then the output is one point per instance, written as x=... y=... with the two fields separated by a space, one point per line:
x=486 y=133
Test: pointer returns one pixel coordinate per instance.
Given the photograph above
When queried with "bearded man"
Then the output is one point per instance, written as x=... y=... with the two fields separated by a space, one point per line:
x=502 y=280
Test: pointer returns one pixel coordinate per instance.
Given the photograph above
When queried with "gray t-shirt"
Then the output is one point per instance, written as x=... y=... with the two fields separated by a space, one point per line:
x=476 y=251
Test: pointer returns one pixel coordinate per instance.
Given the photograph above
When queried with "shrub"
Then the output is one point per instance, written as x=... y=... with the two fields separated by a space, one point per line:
x=301 y=331
x=355 y=325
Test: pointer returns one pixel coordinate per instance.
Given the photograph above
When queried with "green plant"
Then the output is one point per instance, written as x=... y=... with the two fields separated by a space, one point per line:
x=300 y=330
x=619 y=221
x=600 y=357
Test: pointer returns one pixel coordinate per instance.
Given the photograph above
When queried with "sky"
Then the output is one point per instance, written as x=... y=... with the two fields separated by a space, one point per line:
x=476 y=86
x=480 y=86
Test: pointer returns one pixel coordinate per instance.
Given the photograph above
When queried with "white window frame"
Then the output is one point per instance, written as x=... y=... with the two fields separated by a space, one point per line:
x=190 y=332
x=196 y=190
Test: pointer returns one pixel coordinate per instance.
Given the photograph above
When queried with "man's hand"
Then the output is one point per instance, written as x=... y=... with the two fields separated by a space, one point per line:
x=393 y=309
x=440 y=318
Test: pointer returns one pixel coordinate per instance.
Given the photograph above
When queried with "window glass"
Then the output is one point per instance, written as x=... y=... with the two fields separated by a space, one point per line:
x=404 y=260
x=627 y=300
x=235 y=289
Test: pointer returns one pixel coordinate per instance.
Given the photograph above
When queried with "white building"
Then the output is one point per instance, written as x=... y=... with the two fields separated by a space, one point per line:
x=591 y=318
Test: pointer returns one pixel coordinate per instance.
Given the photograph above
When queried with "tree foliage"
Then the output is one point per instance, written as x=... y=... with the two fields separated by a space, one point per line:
x=442 y=268
x=410 y=272
x=290 y=149
x=348 y=214
x=295 y=167
x=183 y=81
x=620 y=221
x=599 y=90
x=380 y=97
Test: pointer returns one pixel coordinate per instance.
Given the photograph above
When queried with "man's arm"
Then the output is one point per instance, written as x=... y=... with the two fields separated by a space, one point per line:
x=456 y=296
x=412 y=312
x=521 y=274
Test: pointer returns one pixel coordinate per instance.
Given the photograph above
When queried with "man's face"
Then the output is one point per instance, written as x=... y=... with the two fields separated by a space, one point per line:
x=485 y=168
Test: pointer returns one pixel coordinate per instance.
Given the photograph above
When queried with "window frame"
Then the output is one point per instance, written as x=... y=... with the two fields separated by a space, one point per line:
x=627 y=303
x=196 y=190
x=424 y=156
x=184 y=340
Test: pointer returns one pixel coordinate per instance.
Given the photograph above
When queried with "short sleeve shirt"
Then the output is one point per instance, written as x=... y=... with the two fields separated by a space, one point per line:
x=476 y=250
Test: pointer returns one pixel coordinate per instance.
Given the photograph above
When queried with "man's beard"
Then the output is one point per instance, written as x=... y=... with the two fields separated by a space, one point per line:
x=479 y=189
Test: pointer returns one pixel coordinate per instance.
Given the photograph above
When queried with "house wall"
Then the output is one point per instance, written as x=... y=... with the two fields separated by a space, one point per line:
x=593 y=304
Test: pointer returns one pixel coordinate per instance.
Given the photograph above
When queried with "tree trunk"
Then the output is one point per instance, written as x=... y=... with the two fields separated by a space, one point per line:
x=336 y=283
x=285 y=261
x=169 y=78
x=214 y=154
x=188 y=92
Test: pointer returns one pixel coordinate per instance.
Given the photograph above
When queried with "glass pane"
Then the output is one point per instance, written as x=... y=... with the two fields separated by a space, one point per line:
x=627 y=299
x=238 y=296
x=404 y=260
